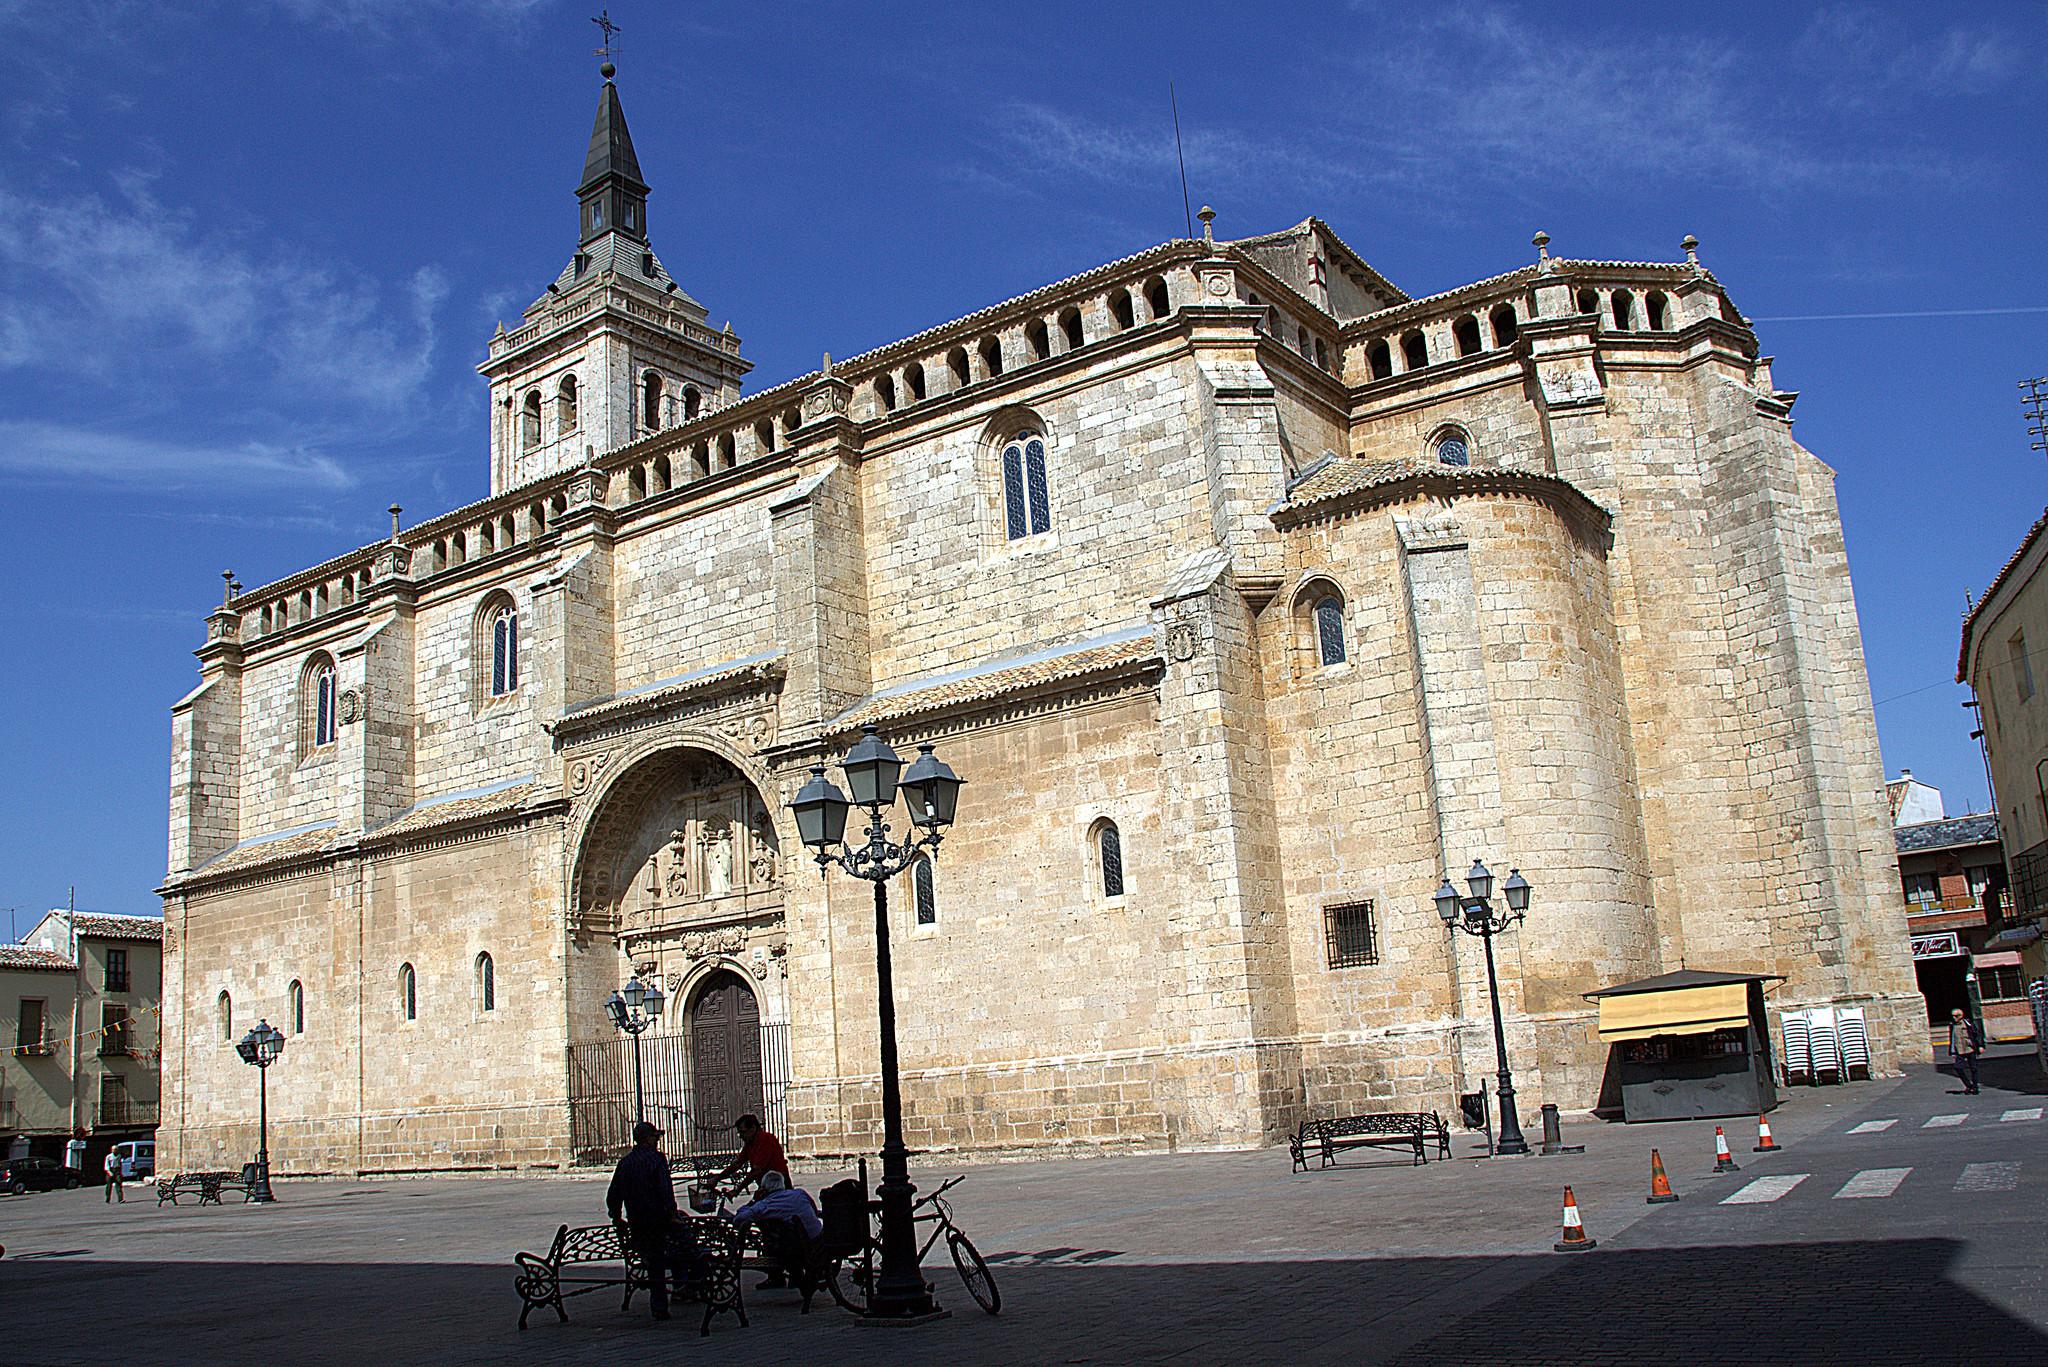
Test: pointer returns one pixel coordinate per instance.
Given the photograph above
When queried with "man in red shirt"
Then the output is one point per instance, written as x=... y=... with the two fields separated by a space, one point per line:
x=760 y=1152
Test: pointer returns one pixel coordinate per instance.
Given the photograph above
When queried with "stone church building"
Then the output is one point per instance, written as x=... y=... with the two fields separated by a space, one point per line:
x=1250 y=596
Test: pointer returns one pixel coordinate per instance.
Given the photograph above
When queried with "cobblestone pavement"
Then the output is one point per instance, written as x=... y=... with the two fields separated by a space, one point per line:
x=1920 y=1237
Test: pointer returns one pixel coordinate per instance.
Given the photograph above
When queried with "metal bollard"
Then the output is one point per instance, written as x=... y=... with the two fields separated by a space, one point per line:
x=1553 y=1137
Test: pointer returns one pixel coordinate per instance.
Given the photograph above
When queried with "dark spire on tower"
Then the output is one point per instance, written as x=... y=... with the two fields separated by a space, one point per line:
x=613 y=195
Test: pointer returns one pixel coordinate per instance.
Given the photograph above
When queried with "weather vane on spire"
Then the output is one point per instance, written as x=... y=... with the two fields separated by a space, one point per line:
x=611 y=31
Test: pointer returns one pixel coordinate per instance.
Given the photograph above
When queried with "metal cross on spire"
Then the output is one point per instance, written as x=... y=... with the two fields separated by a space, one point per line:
x=610 y=31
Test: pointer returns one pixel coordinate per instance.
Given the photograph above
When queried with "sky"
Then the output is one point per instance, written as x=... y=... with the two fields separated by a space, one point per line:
x=250 y=256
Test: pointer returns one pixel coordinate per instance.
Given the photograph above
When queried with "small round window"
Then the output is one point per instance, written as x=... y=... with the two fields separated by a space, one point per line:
x=1452 y=450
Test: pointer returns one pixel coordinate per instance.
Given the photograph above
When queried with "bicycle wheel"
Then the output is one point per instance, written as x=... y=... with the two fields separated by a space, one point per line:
x=850 y=1282
x=981 y=1283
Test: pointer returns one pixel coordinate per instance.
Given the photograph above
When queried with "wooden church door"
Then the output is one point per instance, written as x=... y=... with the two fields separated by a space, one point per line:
x=725 y=1059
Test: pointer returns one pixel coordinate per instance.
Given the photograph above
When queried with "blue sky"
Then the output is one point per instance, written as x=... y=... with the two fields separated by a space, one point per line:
x=249 y=258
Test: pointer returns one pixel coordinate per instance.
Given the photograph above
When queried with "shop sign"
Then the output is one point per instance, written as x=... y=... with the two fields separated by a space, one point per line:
x=1942 y=945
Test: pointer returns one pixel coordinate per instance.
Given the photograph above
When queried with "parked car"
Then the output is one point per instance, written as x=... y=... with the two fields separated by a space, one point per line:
x=138 y=1158
x=18 y=1175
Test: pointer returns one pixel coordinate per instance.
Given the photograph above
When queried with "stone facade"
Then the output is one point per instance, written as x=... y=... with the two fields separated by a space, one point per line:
x=1324 y=592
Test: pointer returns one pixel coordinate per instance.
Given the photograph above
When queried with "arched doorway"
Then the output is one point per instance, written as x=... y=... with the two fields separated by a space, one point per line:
x=725 y=1058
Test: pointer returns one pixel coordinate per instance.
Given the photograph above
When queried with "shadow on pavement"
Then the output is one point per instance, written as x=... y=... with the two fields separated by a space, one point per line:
x=1860 y=1301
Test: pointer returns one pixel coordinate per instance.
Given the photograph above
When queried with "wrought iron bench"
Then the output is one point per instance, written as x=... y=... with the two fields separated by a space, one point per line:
x=1413 y=1130
x=714 y=1282
x=207 y=1186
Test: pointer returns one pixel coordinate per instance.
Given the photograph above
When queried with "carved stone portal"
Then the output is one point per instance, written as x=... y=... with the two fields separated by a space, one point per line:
x=683 y=844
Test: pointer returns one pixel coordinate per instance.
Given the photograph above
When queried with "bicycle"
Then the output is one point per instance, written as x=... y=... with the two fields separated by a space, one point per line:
x=851 y=1274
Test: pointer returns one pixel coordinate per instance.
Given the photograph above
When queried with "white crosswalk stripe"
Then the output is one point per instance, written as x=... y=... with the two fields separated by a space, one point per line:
x=1939 y=1121
x=1872 y=1182
x=1873 y=1126
x=1989 y=1177
x=2023 y=1113
x=1764 y=1190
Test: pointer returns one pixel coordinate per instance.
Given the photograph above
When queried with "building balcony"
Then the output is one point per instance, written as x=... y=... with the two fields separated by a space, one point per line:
x=127 y=1114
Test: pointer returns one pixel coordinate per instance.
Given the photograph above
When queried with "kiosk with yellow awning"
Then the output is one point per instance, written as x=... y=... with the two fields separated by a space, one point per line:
x=1690 y=1044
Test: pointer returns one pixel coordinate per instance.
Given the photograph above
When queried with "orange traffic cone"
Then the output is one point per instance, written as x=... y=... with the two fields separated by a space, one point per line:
x=1724 y=1161
x=1660 y=1185
x=1764 y=1142
x=1574 y=1240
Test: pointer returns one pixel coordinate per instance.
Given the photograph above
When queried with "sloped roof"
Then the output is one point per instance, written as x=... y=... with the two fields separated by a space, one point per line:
x=999 y=677
x=1922 y=836
x=611 y=146
x=1684 y=977
x=30 y=956
x=1997 y=583
x=97 y=925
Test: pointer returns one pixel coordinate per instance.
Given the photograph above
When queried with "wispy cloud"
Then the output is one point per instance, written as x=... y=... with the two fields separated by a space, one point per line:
x=53 y=452
x=98 y=280
x=387 y=18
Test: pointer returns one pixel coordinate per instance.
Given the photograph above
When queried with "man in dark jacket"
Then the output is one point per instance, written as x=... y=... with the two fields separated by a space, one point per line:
x=642 y=1186
x=1965 y=1042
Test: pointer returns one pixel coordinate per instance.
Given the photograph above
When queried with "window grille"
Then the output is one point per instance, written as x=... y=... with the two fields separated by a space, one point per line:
x=113 y=1031
x=927 y=898
x=1330 y=631
x=1112 y=847
x=1454 y=450
x=504 y=651
x=1027 y=491
x=1353 y=940
x=323 y=706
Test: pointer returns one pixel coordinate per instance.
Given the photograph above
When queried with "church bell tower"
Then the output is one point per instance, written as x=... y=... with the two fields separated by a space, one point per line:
x=614 y=350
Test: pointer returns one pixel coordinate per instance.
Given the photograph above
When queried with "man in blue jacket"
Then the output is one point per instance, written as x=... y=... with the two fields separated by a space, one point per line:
x=642 y=1186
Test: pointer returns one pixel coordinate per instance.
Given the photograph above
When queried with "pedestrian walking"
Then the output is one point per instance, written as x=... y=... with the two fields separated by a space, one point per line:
x=642 y=1187
x=1965 y=1042
x=112 y=1167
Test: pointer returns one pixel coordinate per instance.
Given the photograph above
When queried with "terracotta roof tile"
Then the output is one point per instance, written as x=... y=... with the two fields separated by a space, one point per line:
x=29 y=956
x=450 y=810
x=107 y=926
x=997 y=679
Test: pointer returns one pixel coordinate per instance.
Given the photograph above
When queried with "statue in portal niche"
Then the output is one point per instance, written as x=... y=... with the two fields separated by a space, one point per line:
x=678 y=867
x=761 y=861
x=718 y=862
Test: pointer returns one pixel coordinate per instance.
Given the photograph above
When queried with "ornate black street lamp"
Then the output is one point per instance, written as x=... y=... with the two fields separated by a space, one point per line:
x=633 y=1008
x=931 y=793
x=261 y=1046
x=1475 y=916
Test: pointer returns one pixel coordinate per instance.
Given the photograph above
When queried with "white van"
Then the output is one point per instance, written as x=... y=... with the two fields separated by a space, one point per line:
x=138 y=1158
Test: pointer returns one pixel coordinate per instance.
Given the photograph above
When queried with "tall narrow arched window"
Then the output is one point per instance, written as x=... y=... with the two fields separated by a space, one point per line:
x=927 y=896
x=323 y=705
x=1589 y=301
x=650 y=401
x=1122 y=311
x=885 y=392
x=1109 y=853
x=1039 y=338
x=913 y=382
x=1329 y=615
x=992 y=356
x=1156 y=298
x=1655 y=307
x=1624 y=311
x=1027 y=494
x=408 y=993
x=565 y=405
x=956 y=362
x=504 y=651
x=486 y=984
x=693 y=402
x=295 y=1003
x=1414 y=351
x=224 y=1008
x=1466 y=333
x=529 y=421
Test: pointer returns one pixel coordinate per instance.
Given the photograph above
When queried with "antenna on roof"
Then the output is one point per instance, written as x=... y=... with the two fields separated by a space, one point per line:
x=2034 y=401
x=1186 y=204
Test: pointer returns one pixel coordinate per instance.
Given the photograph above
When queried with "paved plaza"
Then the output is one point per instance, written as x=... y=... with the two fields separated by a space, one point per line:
x=1902 y=1217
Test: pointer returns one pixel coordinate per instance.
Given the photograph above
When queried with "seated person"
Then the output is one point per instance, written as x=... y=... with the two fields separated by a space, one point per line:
x=789 y=1222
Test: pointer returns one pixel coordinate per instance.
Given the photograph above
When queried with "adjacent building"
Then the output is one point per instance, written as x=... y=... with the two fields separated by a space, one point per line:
x=81 y=993
x=1249 y=593
x=2004 y=637
x=1952 y=874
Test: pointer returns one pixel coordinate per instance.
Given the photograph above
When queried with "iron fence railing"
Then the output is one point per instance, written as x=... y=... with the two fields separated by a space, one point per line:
x=120 y=1114
x=2030 y=882
x=601 y=1094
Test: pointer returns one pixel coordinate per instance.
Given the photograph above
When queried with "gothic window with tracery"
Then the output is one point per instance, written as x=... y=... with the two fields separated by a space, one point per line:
x=1109 y=850
x=927 y=896
x=1330 y=630
x=1027 y=493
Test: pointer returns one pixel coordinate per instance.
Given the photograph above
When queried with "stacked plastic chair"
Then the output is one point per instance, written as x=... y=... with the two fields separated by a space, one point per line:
x=1854 y=1040
x=1798 y=1037
x=1827 y=1056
